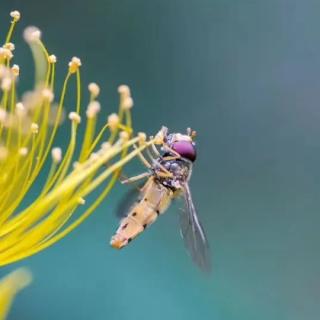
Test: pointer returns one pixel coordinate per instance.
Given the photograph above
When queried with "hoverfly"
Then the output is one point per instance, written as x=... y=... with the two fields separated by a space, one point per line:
x=168 y=175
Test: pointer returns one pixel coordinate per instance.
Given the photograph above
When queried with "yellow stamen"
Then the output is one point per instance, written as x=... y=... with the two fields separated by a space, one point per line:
x=28 y=129
x=10 y=286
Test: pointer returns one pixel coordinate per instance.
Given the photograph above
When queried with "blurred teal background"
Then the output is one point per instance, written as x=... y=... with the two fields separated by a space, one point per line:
x=246 y=75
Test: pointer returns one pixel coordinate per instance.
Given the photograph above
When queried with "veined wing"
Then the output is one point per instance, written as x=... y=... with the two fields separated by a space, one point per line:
x=193 y=234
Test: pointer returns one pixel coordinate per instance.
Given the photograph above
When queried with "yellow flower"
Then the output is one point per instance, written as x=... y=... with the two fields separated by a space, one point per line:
x=28 y=128
x=10 y=286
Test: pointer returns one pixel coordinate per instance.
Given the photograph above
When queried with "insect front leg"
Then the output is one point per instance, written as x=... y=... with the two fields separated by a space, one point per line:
x=155 y=153
x=154 y=149
x=175 y=153
x=168 y=158
x=143 y=159
x=136 y=178
x=155 y=164
x=164 y=174
x=151 y=157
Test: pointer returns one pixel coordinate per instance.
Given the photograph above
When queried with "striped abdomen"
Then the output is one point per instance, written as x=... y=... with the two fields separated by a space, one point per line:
x=155 y=200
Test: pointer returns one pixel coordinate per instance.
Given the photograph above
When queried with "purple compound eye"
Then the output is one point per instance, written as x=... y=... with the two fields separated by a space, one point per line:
x=186 y=150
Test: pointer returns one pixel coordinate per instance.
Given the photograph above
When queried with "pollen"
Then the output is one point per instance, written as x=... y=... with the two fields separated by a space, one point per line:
x=142 y=138
x=23 y=151
x=93 y=108
x=76 y=165
x=52 y=59
x=34 y=128
x=15 y=70
x=48 y=95
x=124 y=90
x=105 y=146
x=113 y=121
x=94 y=156
x=127 y=103
x=74 y=65
x=75 y=117
x=56 y=154
x=9 y=45
x=159 y=137
x=5 y=53
x=6 y=84
x=124 y=135
x=32 y=34
x=81 y=201
x=15 y=15
x=94 y=89
x=20 y=109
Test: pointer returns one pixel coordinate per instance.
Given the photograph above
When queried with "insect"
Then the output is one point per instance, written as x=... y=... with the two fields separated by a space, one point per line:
x=168 y=174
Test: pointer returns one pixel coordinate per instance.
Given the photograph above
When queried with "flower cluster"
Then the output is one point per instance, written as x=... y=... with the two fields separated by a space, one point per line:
x=28 y=128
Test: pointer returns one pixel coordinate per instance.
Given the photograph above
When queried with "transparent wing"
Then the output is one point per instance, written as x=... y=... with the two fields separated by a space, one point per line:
x=128 y=200
x=193 y=234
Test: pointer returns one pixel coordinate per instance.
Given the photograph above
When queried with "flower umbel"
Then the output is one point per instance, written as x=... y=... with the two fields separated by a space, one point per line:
x=28 y=128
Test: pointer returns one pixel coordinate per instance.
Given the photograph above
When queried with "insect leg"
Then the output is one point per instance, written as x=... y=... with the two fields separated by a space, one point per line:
x=158 y=155
x=155 y=150
x=136 y=178
x=168 y=174
x=166 y=147
x=150 y=156
x=171 y=158
x=156 y=162
x=164 y=174
x=143 y=159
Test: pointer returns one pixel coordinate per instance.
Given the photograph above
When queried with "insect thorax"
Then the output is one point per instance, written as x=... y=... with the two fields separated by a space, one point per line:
x=180 y=169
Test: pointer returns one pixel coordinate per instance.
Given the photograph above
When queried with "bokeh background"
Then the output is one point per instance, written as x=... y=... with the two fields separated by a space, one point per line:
x=246 y=75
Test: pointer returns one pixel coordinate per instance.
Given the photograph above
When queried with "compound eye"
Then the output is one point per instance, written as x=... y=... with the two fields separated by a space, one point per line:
x=186 y=150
